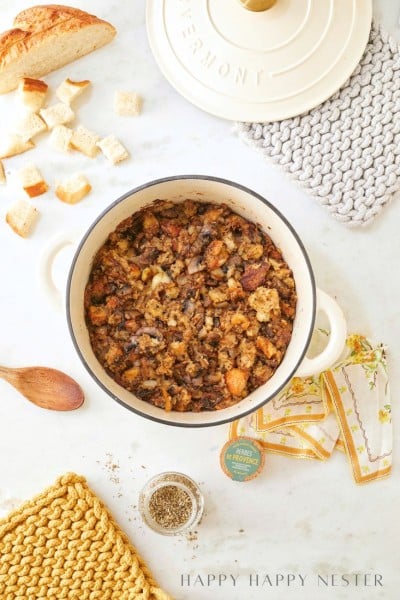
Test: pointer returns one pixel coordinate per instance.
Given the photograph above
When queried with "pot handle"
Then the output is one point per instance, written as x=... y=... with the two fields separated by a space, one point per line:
x=336 y=341
x=46 y=262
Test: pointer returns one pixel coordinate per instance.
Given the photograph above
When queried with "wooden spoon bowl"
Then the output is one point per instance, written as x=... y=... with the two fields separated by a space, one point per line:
x=45 y=387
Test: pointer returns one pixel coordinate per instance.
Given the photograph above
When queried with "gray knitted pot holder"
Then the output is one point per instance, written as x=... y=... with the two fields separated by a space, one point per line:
x=345 y=152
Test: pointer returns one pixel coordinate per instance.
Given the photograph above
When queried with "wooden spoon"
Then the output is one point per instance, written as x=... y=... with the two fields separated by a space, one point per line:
x=45 y=387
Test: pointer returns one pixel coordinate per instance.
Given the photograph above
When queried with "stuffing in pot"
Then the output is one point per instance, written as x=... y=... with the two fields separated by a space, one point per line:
x=189 y=306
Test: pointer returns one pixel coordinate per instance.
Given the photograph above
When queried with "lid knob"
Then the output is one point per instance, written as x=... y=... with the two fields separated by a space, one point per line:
x=257 y=5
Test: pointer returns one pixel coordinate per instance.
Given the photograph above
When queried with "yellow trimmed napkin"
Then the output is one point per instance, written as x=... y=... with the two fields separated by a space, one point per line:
x=347 y=408
x=64 y=544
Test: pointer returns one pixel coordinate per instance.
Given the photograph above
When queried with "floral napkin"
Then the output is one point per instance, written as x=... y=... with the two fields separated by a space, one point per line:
x=346 y=408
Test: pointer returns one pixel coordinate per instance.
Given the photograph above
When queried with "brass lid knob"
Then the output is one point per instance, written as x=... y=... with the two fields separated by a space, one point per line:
x=257 y=5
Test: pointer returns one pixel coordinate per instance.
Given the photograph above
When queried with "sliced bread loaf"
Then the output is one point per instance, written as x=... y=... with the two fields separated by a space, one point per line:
x=47 y=37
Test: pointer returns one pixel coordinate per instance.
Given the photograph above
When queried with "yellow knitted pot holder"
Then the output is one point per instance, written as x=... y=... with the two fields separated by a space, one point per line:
x=64 y=544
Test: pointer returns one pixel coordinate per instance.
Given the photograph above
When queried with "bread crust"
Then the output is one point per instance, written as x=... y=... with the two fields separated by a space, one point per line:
x=22 y=217
x=37 y=25
x=16 y=145
x=41 y=17
x=73 y=190
x=2 y=174
x=37 y=189
x=33 y=85
x=10 y=37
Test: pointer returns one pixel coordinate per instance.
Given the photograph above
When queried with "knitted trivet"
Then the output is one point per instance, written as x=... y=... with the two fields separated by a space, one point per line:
x=64 y=544
x=345 y=152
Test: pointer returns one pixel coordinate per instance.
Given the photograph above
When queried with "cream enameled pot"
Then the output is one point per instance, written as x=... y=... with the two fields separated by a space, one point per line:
x=253 y=207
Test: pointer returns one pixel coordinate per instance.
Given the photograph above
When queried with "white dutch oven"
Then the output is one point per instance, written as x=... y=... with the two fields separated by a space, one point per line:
x=251 y=206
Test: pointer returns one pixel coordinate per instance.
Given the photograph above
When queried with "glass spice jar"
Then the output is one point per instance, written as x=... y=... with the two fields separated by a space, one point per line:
x=171 y=503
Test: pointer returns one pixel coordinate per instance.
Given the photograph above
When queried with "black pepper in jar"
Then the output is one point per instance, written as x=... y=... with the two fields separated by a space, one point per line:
x=171 y=503
x=170 y=506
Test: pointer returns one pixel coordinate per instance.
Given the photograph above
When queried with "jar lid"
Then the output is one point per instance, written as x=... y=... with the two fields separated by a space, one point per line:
x=242 y=458
x=258 y=66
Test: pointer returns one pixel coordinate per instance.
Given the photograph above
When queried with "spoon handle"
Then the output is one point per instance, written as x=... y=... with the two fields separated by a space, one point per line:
x=7 y=374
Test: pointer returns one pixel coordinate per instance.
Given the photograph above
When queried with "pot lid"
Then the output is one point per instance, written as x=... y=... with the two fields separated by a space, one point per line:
x=258 y=65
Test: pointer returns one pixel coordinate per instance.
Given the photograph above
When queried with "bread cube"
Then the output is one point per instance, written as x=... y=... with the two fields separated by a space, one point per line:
x=73 y=189
x=69 y=90
x=2 y=174
x=57 y=114
x=113 y=149
x=127 y=103
x=60 y=138
x=22 y=217
x=12 y=144
x=85 y=141
x=31 y=93
x=30 y=126
x=32 y=181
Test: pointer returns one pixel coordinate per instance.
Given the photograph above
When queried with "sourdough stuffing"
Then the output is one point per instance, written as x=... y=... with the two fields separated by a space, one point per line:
x=189 y=306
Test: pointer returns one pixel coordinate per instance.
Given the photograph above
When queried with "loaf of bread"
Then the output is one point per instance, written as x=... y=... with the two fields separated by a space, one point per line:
x=47 y=37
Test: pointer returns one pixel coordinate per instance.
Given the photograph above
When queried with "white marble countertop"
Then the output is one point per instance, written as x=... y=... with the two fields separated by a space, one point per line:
x=298 y=517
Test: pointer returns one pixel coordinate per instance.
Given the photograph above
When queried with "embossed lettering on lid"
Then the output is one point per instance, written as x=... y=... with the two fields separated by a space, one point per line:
x=268 y=65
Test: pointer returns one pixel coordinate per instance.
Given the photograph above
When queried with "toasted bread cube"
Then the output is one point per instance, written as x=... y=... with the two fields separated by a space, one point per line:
x=2 y=174
x=265 y=301
x=32 y=181
x=69 y=90
x=30 y=126
x=12 y=144
x=85 y=141
x=57 y=114
x=31 y=93
x=22 y=217
x=60 y=138
x=236 y=381
x=127 y=103
x=113 y=149
x=74 y=189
